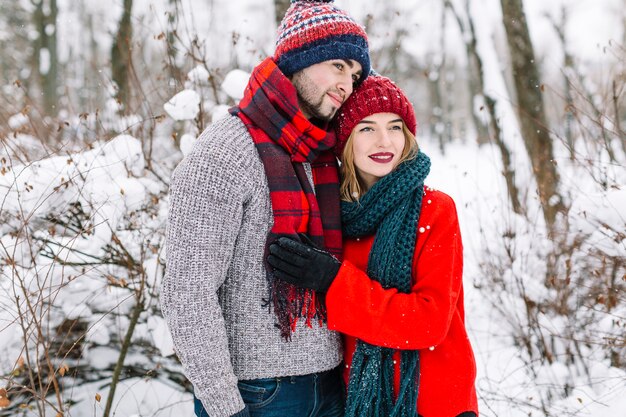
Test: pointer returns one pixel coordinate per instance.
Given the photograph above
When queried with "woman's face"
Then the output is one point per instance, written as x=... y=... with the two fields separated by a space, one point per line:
x=377 y=144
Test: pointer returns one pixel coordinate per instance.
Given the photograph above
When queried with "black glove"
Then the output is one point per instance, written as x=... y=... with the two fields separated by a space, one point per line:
x=303 y=265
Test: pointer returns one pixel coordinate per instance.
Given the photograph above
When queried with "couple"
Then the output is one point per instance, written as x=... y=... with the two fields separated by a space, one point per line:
x=270 y=253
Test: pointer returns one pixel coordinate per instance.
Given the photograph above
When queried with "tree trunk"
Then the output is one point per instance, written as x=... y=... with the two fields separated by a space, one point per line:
x=477 y=87
x=475 y=72
x=436 y=120
x=172 y=51
x=439 y=117
x=281 y=8
x=91 y=78
x=618 y=124
x=568 y=67
x=533 y=122
x=45 y=53
x=51 y=79
x=121 y=56
x=15 y=49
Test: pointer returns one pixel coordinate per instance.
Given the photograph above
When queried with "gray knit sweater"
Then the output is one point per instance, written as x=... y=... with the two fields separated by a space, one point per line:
x=213 y=292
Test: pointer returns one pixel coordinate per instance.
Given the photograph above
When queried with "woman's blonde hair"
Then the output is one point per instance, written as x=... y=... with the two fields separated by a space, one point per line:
x=352 y=187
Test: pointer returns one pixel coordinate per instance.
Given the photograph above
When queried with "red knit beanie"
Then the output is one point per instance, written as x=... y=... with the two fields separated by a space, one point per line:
x=314 y=31
x=376 y=95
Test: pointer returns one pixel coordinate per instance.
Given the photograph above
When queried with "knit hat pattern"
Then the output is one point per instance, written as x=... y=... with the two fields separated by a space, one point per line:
x=316 y=31
x=376 y=94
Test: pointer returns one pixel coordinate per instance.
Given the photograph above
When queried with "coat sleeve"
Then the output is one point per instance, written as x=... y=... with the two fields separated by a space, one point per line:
x=362 y=308
x=206 y=209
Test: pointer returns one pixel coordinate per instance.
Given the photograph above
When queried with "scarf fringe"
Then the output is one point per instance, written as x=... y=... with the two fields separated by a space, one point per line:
x=365 y=398
x=292 y=303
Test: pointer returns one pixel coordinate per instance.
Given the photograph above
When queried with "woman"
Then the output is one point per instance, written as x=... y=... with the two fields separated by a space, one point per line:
x=398 y=294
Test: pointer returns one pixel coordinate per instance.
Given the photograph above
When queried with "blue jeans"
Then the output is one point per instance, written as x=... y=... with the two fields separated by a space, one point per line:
x=314 y=395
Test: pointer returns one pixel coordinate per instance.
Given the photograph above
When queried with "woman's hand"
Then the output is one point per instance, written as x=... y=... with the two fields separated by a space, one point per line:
x=303 y=265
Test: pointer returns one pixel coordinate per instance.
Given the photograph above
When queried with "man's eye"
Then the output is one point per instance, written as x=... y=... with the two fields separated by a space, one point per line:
x=339 y=66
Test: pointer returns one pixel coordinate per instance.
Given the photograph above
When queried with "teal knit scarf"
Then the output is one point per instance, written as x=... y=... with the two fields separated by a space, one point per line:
x=390 y=209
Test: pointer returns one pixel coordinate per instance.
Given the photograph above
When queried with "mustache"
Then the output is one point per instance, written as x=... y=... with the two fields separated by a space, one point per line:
x=338 y=93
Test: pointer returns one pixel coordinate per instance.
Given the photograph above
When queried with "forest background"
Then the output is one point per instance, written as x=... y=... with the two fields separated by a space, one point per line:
x=521 y=106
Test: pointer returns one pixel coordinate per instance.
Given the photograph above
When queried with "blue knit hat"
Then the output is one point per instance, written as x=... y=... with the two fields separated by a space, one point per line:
x=315 y=31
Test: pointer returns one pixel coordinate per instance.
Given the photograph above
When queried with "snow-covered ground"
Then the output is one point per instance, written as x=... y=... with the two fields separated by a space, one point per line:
x=81 y=233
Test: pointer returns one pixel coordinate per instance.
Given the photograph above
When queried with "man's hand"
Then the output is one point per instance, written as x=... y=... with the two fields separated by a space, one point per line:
x=303 y=265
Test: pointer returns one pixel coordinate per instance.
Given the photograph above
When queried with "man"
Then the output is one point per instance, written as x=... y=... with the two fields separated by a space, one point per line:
x=250 y=344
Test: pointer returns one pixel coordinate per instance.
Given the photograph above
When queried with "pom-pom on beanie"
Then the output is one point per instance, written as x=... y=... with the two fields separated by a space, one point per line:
x=316 y=31
x=377 y=94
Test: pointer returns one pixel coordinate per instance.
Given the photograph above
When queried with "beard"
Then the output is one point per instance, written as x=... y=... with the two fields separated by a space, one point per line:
x=311 y=98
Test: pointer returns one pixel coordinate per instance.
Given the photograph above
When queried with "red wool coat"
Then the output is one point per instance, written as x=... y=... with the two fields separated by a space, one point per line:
x=430 y=318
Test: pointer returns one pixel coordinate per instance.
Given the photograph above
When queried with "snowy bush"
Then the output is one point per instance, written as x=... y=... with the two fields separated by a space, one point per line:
x=82 y=245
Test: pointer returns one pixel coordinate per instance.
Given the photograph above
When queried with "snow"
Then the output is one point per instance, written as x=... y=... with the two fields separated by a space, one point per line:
x=161 y=335
x=103 y=187
x=184 y=105
x=199 y=76
x=142 y=397
x=48 y=185
x=44 y=60
x=219 y=112
x=109 y=187
x=17 y=120
x=186 y=143
x=235 y=83
x=606 y=208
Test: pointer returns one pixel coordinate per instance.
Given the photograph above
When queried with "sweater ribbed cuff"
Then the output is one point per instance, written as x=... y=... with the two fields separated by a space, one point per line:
x=225 y=404
x=243 y=413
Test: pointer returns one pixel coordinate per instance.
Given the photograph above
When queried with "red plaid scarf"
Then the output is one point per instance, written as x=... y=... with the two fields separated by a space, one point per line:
x=285 y=139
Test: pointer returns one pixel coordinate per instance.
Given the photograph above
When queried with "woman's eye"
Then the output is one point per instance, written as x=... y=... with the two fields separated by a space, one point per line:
x=398 y=127
x=366 y=129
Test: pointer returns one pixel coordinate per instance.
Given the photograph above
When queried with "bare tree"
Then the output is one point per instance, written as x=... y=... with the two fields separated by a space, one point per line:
x=45 y=51
x=121 y=55
x=435 y=77
x=474 y=77
x=13 y=49
x=576 y=88
x=533 y=122
x=93 y=59
x=568 y=69
x=477 y=88
x=170 y=41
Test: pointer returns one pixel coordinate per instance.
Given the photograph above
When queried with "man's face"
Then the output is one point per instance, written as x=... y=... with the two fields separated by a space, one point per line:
x=322 y=88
